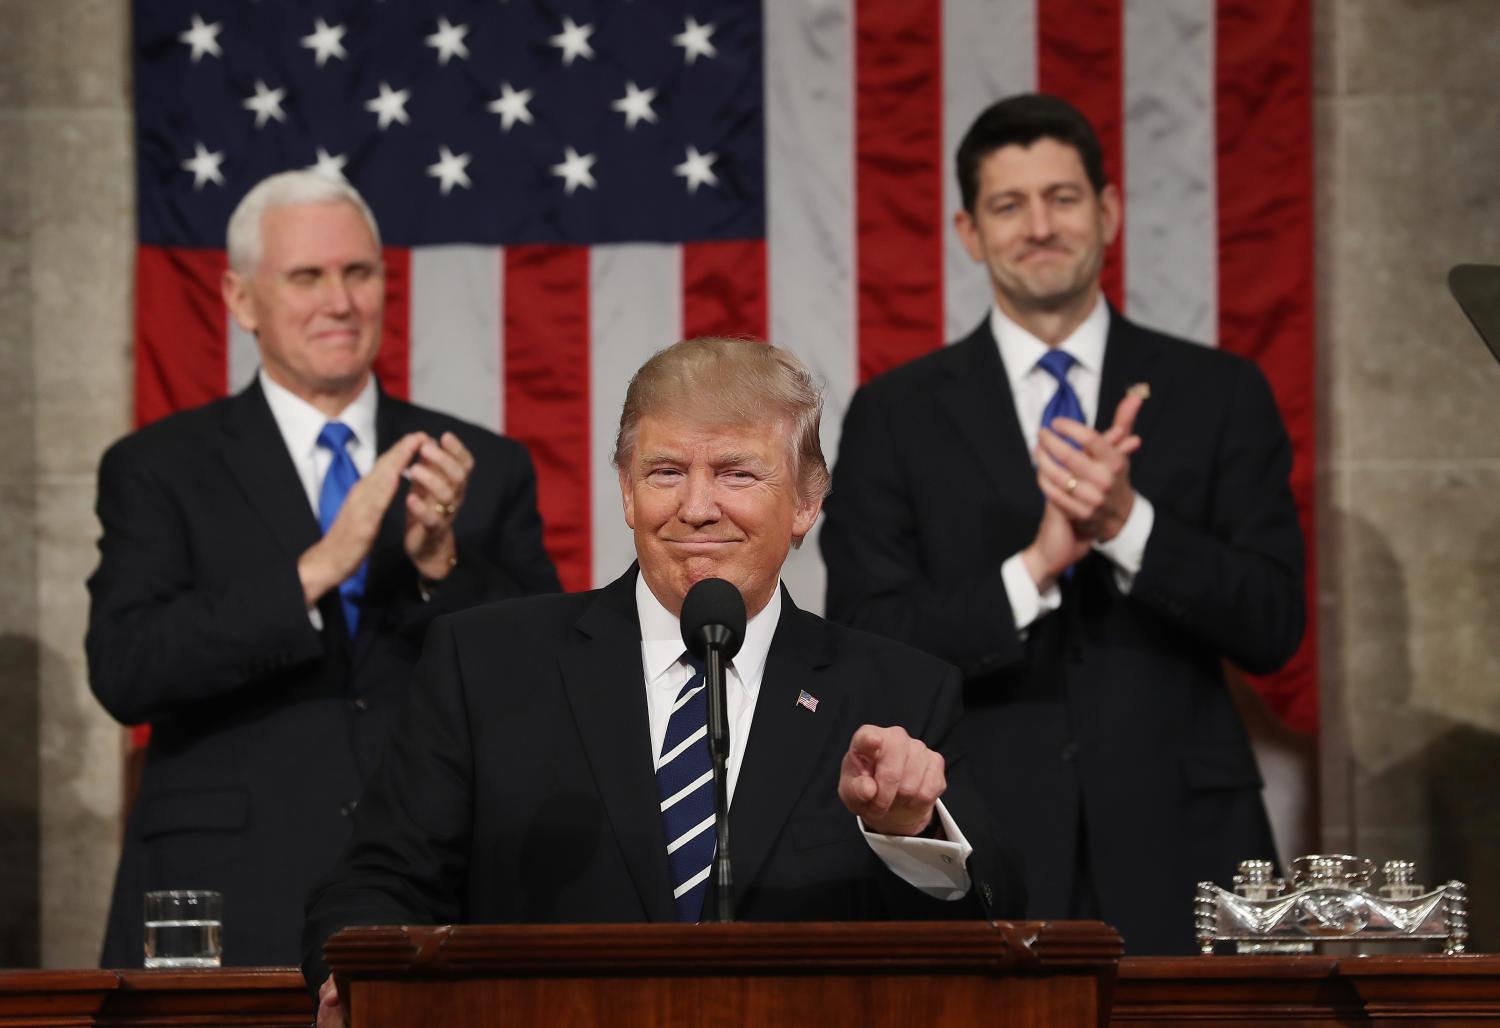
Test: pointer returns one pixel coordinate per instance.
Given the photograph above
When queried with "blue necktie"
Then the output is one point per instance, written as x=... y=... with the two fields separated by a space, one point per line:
x=685 y=778
x=340 y=478
x=1064 y=402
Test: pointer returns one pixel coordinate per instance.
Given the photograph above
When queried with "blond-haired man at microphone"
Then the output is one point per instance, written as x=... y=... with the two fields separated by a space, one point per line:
x=547 y=772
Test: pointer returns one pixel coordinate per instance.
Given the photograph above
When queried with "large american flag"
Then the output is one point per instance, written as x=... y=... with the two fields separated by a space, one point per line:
x=565 y=186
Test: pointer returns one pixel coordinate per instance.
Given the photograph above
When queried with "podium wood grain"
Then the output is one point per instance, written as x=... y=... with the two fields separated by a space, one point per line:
x=892 y=973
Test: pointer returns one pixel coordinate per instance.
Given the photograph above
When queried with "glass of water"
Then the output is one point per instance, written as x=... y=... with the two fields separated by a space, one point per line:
x=182 y=928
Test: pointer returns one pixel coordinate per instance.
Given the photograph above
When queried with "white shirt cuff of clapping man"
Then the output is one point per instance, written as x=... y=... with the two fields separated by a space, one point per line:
x=1127 y=550
x=938 y=867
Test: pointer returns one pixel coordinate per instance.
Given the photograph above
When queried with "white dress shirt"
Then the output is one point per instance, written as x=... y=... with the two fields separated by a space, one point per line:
x=935 y=866
x=300 y=424
x=1032 y=388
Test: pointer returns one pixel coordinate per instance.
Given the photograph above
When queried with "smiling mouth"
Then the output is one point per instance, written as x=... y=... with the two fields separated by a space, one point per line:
x=702 y=545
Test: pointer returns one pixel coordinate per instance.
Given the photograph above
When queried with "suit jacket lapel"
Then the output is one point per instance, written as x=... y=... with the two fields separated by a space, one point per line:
x=1130 y=357
x=787 y=741
x=256 y=456
x=390 y=569
x=607 y=692
x=976 y=396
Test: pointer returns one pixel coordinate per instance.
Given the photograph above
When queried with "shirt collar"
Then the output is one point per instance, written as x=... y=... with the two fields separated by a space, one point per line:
x=661 y=634
x=1020 y=350
x=300 y=422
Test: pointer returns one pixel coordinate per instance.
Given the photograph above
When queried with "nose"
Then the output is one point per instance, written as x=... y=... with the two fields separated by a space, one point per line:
x=698 y=506
x=1038 y=221
x=336 y=296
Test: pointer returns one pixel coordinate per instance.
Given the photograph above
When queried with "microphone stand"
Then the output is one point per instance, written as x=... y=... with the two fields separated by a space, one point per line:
x=718 y=750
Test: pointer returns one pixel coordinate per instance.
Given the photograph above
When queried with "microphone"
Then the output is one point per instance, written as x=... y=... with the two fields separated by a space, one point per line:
x=713 y=615
x=713 y=627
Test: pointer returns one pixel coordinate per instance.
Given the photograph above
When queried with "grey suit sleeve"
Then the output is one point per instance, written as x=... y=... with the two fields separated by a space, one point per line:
x=408 y=859
x=158 y=639
x=1236 y=582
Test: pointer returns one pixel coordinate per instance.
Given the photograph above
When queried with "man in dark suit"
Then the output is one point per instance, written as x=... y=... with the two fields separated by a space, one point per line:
x=1088 y=581
x=269 y=655
x=527 y=786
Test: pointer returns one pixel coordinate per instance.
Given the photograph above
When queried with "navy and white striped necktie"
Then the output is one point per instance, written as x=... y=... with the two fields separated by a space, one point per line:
x=685 y=778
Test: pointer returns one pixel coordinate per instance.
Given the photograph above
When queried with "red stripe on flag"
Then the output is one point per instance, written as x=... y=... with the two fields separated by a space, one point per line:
x=1263 y=72
x=1080 y=57
x=724 y=289
x=393 y=361
x=181 y=326
x=898 y=171
x=547 y=392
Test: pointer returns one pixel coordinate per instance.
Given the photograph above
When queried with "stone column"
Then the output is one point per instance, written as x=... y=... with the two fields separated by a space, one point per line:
x=66 y=259
x=1408 y=137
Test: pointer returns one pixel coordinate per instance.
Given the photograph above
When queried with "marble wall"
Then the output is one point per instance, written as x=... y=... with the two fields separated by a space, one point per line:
x=66 y=246
x=1408 y=142
x=1408 y=132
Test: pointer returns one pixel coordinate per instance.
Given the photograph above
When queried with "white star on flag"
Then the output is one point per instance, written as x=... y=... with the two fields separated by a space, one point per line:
x=573 y=41
x=511 y=106
x=448 y=41
x=266 y=103
x=694 y=40
x=636 y=105
x=328 y=164
x=325 y=41
x=449 y=170
x=203 y=38
x=574 y=170
x=204 y=166
x=697 y=169
x=390 y=106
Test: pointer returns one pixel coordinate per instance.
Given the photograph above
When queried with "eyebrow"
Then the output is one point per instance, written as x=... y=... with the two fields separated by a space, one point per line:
x=657 y=460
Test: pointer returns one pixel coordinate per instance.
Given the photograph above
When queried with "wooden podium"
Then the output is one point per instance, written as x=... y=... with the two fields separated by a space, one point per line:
x=885 y=973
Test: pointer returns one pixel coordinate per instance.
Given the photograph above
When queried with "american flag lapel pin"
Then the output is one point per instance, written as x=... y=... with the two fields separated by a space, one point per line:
x=808 y=700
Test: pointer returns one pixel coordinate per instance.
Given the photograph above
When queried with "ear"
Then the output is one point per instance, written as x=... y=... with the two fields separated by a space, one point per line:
x=1110 y=211
x=968 y=234
x=627 y=498
x=805 y=517
x=236 y=290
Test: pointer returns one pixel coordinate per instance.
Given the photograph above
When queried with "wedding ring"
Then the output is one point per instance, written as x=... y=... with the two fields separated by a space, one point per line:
x=447 y=508
x=1072 y=484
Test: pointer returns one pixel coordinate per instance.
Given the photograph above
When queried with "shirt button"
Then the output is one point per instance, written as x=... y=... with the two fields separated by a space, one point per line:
x=347 y=809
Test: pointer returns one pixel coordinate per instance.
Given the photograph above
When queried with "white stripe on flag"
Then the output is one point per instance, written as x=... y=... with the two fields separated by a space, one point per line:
x=244 y=357
x=672 y=799
x=989 y=53
x=457 y=350
x=809 y=83
x=635 y=309
x=1171 y=222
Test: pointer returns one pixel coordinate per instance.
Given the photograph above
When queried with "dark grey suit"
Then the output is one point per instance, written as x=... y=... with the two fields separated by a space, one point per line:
x=1111 y=713
x=522 y=787
x=264 y=729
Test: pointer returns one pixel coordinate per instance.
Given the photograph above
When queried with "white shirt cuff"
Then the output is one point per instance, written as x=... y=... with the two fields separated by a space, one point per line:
x=938 y=867
x=1026 y=602
x=316 y=617
x=1127 y=549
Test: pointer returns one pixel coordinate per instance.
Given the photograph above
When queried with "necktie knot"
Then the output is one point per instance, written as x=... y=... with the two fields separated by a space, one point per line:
x=335 y=436
x=1056 y=363
x=697 y=666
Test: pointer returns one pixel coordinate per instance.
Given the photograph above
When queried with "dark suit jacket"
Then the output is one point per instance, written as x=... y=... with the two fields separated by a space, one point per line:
x=1114 y=708
x=522 y=788
x=263 y=728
